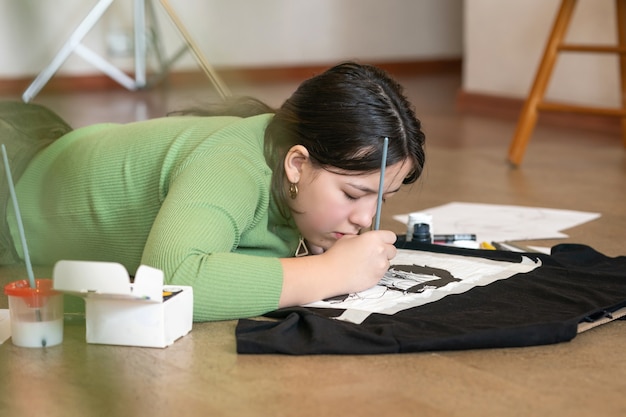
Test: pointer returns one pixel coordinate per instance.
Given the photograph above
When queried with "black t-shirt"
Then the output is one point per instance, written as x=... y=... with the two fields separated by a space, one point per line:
x=573 y=285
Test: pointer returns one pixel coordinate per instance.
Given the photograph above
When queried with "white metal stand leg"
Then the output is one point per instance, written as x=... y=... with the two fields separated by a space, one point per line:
x=70 y=46
x=73 y=44
x=140 y=44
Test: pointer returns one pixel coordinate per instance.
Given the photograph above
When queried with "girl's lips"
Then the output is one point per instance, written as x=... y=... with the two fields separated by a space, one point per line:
x=339 y=235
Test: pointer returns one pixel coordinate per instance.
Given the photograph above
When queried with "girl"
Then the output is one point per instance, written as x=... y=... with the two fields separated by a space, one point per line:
x=227 y=199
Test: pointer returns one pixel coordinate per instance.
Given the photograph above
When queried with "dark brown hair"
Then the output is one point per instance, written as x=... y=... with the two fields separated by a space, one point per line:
x=342 y=117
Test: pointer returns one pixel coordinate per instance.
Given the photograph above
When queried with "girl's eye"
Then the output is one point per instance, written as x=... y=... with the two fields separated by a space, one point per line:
x=350 y=197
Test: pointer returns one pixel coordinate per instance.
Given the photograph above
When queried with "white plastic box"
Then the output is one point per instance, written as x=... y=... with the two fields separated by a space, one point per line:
x=117 y=312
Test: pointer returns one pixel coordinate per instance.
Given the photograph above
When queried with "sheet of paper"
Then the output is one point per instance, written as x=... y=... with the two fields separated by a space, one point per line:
x=541 y=249
x=5 y=325
x=493 y=222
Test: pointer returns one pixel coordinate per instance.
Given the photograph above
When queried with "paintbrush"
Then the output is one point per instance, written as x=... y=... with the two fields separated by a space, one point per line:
x=20 y=225
x=383 y=165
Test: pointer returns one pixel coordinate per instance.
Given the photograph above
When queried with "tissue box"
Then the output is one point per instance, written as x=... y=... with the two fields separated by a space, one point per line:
x=118 y=312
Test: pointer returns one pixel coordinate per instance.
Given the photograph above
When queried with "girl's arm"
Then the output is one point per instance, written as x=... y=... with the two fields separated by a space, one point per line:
x=209 y=205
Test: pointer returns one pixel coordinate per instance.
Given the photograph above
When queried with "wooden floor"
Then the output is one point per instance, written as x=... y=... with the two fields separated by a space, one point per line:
x=201 y=374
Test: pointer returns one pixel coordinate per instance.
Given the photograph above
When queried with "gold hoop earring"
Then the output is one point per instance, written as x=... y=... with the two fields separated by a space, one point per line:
x=293 y=190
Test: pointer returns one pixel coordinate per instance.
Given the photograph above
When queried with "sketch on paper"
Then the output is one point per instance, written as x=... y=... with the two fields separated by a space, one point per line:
x=416 y=278
x=408 y=279
x=496 y=222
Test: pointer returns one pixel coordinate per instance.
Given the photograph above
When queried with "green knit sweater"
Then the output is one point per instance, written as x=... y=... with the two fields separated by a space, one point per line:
x=188 y=195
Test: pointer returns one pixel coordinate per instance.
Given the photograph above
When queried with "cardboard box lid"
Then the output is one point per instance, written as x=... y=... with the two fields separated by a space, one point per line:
x=108 y=279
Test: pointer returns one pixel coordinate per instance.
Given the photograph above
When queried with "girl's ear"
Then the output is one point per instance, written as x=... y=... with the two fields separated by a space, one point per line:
x=296 y=157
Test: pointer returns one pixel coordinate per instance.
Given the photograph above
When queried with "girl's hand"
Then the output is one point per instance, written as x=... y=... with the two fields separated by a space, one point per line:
x=352 y=264
x=359 y=262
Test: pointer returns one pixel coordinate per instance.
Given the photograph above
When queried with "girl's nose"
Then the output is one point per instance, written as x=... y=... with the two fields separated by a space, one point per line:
x=363 y=215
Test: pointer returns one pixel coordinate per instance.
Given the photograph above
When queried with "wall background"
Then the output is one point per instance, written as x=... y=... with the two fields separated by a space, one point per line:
x=504 y=41
x=499 y=41
x=240 y=33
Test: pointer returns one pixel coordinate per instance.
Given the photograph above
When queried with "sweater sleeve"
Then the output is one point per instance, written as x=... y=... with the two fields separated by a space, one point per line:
x=212 y=201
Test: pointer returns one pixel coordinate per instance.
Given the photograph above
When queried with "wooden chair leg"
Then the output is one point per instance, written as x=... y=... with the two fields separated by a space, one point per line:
x=620 y=6
x=528 y=116
x=221 y=88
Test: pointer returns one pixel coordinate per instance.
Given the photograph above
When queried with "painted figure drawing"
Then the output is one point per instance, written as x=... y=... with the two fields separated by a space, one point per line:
x=416 y=278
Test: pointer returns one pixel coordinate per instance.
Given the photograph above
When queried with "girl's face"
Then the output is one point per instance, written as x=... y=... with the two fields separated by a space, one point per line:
x=331 y=204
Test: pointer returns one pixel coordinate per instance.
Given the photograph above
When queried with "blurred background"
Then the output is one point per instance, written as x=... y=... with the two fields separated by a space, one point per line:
x=498 y=43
